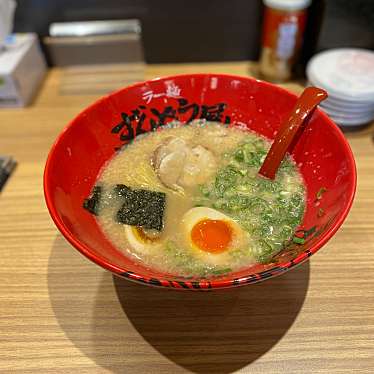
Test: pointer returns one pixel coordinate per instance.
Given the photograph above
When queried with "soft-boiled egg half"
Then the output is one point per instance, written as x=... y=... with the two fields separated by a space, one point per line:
x=142 y=240
x=211 y=235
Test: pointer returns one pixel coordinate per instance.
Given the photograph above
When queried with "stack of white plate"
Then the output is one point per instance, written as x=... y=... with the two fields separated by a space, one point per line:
x=347 y=75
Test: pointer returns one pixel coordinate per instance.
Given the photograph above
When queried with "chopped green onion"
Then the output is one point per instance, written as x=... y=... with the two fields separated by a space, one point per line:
x=310 y=231
x=320 y=192
x=298 y=240
x=221 y=271
x=268 y=210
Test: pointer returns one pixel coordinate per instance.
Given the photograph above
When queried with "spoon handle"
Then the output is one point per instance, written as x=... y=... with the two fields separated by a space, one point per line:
x=305 y=105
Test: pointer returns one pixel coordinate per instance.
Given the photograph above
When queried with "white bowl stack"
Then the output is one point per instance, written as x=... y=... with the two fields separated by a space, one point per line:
x=347 y=75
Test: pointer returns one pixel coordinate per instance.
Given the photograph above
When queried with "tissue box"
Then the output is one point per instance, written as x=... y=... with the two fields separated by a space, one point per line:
x=22 y=68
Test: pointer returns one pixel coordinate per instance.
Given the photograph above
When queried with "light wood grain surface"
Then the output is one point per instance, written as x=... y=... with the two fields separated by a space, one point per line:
x=59 y=313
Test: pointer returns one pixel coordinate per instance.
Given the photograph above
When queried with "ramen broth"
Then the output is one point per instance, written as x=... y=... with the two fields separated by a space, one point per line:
x=187 y=200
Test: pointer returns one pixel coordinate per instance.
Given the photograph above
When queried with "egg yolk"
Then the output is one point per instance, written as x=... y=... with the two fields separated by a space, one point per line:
x=211 y=235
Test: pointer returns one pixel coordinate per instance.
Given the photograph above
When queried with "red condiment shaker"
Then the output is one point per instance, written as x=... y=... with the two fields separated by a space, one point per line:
x=282 y=37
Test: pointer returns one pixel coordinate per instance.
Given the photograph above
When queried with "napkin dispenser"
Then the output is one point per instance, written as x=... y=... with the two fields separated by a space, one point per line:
x=22 y=69
x=95 y=43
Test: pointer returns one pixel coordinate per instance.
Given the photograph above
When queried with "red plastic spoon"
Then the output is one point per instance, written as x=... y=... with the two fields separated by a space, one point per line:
x=302 y=111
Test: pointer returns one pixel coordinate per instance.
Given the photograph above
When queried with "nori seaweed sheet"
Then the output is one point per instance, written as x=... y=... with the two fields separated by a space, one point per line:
x=141 y=207
x=123 y=191
x=92 y=203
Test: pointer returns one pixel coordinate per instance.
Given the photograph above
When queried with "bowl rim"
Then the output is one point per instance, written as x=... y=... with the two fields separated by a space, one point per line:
x=206 y=283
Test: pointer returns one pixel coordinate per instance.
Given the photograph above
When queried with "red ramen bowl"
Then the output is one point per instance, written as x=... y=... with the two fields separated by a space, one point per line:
x=94 y=136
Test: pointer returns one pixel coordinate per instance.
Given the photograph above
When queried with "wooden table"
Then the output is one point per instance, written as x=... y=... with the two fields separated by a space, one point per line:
x=59 y=313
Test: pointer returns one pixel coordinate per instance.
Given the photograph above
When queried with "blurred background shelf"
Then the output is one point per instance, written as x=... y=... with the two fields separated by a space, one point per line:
x=213 y=30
